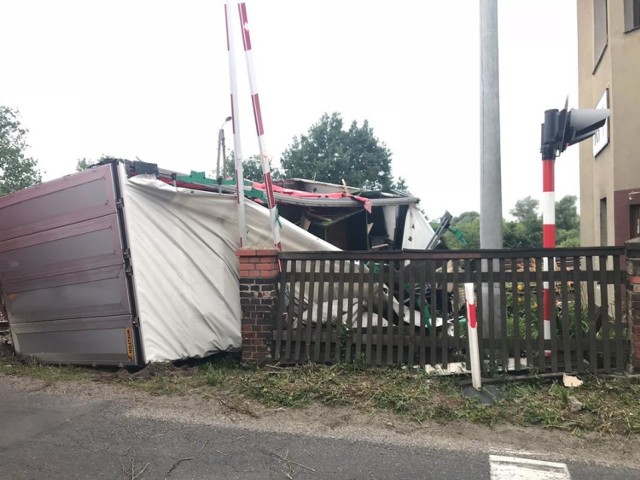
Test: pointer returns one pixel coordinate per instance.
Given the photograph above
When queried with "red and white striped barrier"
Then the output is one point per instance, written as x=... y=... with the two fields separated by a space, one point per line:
x=257 y=114
x=472 y=329
x=235 y=118
x=548 y=235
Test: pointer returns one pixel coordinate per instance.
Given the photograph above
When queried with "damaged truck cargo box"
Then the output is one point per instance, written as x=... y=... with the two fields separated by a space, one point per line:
x=118 y=266
x=100 y=269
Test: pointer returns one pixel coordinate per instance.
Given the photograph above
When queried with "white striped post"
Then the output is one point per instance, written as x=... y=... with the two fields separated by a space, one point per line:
x=237 y=147
x=548 y=236
x=257 y=114
x=472 y=329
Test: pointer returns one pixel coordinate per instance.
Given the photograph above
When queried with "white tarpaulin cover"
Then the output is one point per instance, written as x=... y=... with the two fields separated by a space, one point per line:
x=185 y=269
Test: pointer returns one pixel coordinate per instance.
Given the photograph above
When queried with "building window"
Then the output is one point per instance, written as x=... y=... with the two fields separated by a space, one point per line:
x=631 y=15
x=600 y=30
x=603 y=222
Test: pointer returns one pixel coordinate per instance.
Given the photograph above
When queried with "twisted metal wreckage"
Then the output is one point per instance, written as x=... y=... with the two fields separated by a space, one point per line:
x=346 y=217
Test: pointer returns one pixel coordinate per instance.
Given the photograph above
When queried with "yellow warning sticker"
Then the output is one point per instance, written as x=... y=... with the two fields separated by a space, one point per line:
x=129 y=334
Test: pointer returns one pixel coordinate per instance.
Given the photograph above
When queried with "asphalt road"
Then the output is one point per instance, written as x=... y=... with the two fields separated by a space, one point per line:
x=54 y=436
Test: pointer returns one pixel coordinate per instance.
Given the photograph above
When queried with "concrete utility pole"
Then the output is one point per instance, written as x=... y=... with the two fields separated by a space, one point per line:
x=490 y=173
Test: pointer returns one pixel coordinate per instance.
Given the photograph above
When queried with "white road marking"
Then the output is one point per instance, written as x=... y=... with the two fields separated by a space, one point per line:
x=514 y=468
x=518 y=453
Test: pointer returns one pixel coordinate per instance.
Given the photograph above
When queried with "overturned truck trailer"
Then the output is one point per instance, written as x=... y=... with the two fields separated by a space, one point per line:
x=100 y=269
x=97 y=269
x=103 y=267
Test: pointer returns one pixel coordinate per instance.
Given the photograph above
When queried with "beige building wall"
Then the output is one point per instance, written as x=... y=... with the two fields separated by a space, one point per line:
x=608 y=182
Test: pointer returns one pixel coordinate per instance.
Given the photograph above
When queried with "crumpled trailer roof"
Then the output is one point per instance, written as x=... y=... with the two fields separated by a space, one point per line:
x=349 y=218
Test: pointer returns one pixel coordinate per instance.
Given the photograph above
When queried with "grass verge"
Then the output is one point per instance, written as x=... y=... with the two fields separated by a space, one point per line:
x=606 y=406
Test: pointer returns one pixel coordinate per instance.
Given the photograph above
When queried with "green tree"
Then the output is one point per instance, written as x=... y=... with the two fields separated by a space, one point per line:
x=467 y=223
x=328 y=153
x=17 y=171
x=526 y=230
x=251 y=168
x=567 y=217
x=465 y=217
x=401 y=187
x=525 y=209
x=567 y=222
x=83 y=164
x=567 y=238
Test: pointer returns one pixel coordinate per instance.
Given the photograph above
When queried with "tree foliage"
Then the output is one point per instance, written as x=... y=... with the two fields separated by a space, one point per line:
x=468 y=224
x=525 y=230
x=17 y=171
x=567 y=222
x=329 y=153
x=251 y=168
x=401 y=186
x=525 y=209
x=83 y=164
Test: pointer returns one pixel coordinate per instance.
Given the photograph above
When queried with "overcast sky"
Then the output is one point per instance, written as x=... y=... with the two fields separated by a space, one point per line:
x=150 y=79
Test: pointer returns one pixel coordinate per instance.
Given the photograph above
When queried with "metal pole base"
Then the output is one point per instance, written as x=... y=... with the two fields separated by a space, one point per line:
x=487 y=395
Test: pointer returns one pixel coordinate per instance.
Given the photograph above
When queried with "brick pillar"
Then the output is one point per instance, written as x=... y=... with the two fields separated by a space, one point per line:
x=632 y=253
x=258 y=299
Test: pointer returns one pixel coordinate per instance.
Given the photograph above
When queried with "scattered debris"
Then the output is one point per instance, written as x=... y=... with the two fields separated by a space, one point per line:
x=239 y=408
x=574 y=405
x=135 y=472
x=288 y=463
x=175 y=465
x=571 y=381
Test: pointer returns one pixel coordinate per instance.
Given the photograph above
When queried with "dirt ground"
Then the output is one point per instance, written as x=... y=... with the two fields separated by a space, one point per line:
x=208 y=407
